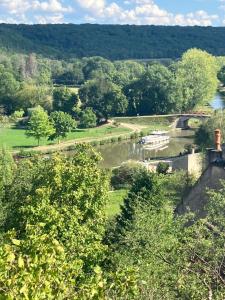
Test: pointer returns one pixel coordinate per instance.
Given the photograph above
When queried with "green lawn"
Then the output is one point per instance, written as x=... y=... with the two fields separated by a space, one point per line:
x=115 y=200
x=152 y=123
x=16 y=138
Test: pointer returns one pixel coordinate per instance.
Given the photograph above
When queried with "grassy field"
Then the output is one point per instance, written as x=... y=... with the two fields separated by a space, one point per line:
x=16 y=138
x=115 y=200
x=152 y=123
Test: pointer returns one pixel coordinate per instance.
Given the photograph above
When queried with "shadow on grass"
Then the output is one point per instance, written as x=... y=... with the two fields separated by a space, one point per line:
x=24 y=147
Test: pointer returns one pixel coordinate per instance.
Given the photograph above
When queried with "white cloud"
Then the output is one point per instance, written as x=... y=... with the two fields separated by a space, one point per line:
x=22 y=6
x=52 y=6
x=143 y=12
x=55 y=19
x=94 y=6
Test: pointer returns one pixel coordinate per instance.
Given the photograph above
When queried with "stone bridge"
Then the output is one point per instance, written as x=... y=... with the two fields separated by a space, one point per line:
x=183 y=119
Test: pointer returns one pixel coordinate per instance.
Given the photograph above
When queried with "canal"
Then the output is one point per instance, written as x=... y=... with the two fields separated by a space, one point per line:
x=115 y=154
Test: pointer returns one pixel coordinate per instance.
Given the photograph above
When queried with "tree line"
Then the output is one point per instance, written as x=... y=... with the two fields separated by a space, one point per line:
x=110 y=41
x=108 y=88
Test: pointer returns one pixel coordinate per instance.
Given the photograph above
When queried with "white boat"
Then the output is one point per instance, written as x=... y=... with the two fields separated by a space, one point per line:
x=154 y=140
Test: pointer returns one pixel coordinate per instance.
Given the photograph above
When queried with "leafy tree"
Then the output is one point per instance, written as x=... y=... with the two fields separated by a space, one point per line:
x=221 y=75
x=57 y=230
x=97 y=65
x=125 y=175
x=39 y=125
x=31 y=95
x=63 y=123
x=105 y=97
x=127 y=71
x=88 y=118
x=8 y=88
x=154 y=93
x=196 y=75
x=7 y=169
x=64 y=100
x=204 y=136
x=162 y=168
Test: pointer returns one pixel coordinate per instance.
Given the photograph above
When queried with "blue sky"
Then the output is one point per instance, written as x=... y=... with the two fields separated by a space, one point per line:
x=158 y=12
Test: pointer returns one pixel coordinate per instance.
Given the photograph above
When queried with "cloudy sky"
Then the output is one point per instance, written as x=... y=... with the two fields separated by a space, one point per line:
x=163 y=12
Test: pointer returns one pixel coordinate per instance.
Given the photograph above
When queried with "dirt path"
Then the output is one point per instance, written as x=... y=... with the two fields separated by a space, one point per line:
x=133 y=127
x=66 y=144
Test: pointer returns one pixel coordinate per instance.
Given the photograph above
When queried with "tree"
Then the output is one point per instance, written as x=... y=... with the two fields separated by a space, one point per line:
x=162 y=168
x=53 y=247
x=127 y=71
x=97 y=65
x=154 y=93
x=64 y=99
x=221 y=75
x=204 y=136
x=63 y=123
x=8 y=88
x=105 y=97
x=39 y=125
x=31 y=95
x=88 y=118
x=196 y=75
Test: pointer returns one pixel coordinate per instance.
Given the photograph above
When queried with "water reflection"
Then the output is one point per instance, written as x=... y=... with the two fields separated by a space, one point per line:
x=218 y=102
x=115 y=154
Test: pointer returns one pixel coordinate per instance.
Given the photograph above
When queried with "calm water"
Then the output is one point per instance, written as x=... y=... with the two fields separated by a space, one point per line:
x=218 y=102
x=115 y=154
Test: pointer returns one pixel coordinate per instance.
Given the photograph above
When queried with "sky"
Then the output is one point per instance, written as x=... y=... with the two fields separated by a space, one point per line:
x=140 y=12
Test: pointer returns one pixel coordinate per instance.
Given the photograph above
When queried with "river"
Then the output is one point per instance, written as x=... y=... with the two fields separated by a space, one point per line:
x=115 y=154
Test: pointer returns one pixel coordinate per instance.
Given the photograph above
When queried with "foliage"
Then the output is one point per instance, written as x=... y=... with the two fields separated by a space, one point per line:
x=110 y=41
x=58 y=223
x=204 y=136
x=196 y=75
x=162 y=168
x=155 y=92
x=105 y=97
x=31 y=95
x=221 y=75
x=39 y=125
x=88 y=118
x=125 y=175
x=63 y=123
x=175 y=257
x=8 y=87
x=64 y=100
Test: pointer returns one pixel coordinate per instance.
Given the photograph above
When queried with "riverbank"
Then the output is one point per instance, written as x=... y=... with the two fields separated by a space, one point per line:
x=115 y=131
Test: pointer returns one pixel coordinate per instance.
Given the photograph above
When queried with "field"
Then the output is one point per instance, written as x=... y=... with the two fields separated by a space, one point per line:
x=16 y=138
x=115 y=200
x=150 y=122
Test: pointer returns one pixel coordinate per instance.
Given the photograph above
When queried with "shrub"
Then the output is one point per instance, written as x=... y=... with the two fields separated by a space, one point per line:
x=124 y=176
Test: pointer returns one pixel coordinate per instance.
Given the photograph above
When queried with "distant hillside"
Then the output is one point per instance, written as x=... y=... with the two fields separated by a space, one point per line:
x=111 y=41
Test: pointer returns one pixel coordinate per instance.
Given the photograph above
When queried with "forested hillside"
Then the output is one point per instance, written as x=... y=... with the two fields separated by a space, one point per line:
x=111 y=41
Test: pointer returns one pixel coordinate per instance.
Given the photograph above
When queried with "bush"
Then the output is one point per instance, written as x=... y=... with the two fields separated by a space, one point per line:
x=162 y=168
x=125 y=175
x=88 y=118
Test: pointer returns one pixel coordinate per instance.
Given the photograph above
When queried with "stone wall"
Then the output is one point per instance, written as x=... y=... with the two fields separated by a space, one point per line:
x=198 y=197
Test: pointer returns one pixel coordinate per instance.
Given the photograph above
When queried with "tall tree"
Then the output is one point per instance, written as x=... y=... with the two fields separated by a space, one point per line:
x=39 y=125
x=154 y=93
x=63 y=123
x=8 y=88
x=55 y=249
x=88 y=118
x=196 y=75
x=64 y=99
x=105 y=97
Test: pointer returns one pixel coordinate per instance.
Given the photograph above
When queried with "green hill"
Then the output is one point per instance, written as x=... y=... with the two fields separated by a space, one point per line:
x=111 y=41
